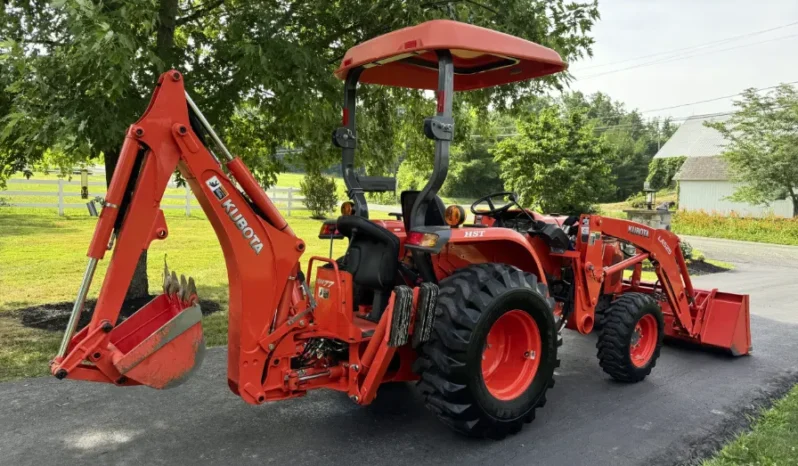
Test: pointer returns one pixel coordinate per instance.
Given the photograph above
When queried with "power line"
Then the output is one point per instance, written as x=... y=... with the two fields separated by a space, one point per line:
x=714 y=99
x=627 y=125
x=698 y=46
x=684 y=57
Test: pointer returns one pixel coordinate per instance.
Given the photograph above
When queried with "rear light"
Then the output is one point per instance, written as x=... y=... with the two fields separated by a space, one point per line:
x=328 y=229
x=426 y=240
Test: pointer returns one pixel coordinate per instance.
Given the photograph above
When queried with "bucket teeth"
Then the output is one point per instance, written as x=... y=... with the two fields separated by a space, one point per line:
x=174 y=284
x=191 y=292
x=166 y=277
x=180 y=288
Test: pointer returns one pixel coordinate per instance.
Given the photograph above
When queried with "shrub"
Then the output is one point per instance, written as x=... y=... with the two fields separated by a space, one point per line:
x=320 y=194
x=637 y=201
x=687 y=250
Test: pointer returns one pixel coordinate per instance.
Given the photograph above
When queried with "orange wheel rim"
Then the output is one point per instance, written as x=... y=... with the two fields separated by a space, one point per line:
x=644 y=340
x=511 y=356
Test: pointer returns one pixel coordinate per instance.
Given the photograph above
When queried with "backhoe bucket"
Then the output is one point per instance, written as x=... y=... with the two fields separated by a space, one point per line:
x=161 y=344
x=725 y=322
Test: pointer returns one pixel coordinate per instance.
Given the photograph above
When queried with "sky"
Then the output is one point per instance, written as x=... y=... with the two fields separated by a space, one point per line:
x=629 y=29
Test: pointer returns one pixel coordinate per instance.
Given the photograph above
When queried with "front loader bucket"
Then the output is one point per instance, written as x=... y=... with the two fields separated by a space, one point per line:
x=725 y=322
x=161 y=344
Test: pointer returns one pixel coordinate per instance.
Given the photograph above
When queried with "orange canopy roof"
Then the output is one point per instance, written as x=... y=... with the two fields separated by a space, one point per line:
x=482 y=57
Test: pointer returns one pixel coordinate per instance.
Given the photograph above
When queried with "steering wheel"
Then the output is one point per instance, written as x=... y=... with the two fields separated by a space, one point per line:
x=493 y=210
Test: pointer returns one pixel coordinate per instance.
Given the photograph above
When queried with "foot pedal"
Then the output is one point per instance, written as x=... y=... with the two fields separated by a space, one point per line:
x=400 y=321
x=425 y=318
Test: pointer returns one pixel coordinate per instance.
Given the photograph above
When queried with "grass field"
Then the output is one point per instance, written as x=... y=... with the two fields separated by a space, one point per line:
x=772 y=441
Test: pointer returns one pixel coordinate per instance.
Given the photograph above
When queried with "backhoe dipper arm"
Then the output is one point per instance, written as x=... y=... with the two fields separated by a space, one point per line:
x=661 y=247
x=261 y=253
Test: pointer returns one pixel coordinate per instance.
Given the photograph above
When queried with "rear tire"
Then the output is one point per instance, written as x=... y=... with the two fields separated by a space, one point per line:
x=631 y=337
x=484 y=391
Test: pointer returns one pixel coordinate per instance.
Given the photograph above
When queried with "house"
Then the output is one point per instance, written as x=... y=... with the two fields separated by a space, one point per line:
x=704 y=179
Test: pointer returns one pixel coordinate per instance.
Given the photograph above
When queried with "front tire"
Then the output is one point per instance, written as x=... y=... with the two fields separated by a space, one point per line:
x=492 y=353
x=631 y=338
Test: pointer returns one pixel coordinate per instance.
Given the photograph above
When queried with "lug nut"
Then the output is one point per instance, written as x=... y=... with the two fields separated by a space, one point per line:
x=271 y=346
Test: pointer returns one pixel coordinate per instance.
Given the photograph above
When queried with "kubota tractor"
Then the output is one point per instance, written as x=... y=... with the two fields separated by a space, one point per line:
x=471 y=312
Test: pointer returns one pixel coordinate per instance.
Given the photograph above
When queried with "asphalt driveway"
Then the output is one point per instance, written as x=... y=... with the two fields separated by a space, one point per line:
x=689 y=405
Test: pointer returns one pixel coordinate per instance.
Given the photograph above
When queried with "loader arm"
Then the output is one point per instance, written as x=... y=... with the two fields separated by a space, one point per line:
x=706 y=317
x=261 y=254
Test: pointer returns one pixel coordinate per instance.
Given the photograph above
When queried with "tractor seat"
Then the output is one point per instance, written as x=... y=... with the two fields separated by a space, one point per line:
x=372 y=258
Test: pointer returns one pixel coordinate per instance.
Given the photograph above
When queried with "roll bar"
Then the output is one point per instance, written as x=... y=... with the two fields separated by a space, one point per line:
x=440 y=128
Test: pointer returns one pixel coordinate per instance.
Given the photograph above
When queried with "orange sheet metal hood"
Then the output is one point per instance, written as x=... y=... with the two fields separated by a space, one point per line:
x=482 y=57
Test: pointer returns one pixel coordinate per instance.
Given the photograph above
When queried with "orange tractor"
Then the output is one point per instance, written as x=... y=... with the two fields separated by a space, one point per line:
x=473 y=313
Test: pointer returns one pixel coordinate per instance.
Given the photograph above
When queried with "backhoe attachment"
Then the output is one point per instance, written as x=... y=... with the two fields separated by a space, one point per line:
x=162 y=343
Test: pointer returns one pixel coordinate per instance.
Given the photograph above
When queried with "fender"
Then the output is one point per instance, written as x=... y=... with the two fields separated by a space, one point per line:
x=466 y=246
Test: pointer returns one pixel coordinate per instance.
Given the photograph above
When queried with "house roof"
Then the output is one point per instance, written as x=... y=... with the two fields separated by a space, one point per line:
x=693 y=139
x=703 y=169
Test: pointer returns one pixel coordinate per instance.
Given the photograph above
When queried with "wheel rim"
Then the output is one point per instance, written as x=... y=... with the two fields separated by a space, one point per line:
x=644 y=340
x=511 y=356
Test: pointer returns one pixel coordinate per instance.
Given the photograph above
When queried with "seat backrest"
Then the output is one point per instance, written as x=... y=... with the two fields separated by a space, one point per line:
x=434 y=211
x=373 y=254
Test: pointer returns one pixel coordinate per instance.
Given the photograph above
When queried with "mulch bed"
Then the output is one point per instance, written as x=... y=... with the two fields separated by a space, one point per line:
x=703 y=268
x=54 y=317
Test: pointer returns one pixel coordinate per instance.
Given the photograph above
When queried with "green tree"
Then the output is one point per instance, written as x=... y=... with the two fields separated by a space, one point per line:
x=762 y=150
x=662 y=171
x=633 y=140
x=556 y=162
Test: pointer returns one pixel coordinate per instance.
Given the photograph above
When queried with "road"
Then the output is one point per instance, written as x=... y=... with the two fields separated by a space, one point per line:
x=690 y=404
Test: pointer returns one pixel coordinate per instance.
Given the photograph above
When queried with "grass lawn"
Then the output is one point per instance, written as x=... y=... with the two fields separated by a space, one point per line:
x=772 y=441
x=43 y=256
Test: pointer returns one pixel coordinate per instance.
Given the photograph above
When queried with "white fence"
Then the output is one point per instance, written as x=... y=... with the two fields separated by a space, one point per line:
x=286 y=199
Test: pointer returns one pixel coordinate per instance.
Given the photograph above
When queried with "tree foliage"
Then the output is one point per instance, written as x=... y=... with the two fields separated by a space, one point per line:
x=77 y=72
x=556 y=162
x=633 y=141
x=662 y=171
x=762 y=150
